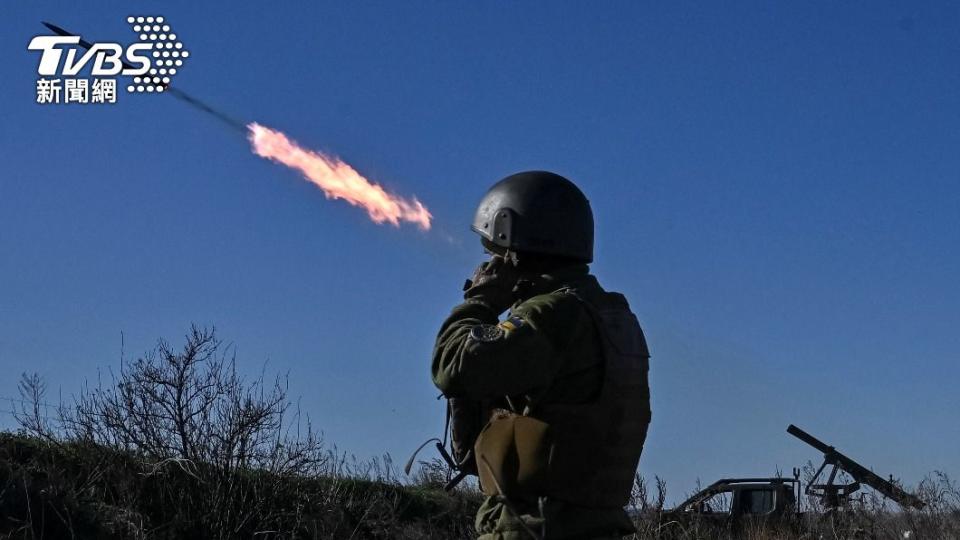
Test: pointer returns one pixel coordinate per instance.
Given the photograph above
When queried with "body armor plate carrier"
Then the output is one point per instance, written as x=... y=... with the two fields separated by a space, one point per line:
x=585 y=453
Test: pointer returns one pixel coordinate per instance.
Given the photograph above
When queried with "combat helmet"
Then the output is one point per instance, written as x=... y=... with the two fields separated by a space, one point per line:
x=537 y=212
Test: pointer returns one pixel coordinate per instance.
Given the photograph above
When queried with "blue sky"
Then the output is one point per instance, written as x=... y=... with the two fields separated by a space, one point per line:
x=776 y=185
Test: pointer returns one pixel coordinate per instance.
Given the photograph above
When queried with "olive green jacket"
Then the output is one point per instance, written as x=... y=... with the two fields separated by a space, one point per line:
x=547 y=350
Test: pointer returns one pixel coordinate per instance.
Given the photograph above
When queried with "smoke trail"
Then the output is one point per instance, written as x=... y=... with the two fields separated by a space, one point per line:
x=337 y=179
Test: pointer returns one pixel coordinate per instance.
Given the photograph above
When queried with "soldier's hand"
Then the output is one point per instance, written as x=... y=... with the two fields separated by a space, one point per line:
x=492 y=284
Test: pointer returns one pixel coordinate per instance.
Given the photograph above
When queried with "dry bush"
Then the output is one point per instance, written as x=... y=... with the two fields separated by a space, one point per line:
x=219 y=450
x=179 y=445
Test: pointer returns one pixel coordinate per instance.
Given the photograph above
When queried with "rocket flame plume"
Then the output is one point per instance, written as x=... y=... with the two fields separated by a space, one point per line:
x=337 y=179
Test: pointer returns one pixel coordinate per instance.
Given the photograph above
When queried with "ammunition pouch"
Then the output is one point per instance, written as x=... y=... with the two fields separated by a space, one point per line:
x=513 y=456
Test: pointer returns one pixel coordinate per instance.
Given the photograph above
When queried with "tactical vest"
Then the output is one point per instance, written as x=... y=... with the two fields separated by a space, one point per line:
x=586 y=453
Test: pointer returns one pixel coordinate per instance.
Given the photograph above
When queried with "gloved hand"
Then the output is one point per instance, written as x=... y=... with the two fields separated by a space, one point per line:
x=492 y=284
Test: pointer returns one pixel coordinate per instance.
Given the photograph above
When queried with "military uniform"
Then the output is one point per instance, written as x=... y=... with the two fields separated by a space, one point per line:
x=549 y=360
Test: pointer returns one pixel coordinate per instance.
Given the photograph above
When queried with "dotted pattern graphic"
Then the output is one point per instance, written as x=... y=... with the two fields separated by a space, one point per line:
x=168 y=53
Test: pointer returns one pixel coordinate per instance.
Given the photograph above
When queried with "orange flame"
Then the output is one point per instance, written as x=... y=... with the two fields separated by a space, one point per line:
x=337 y=179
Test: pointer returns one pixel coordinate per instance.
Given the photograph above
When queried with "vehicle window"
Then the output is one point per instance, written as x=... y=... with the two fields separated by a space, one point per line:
x=756 y=501
x=718 y=503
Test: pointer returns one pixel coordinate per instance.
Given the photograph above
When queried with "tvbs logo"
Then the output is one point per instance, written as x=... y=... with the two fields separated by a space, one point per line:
x=152 y=62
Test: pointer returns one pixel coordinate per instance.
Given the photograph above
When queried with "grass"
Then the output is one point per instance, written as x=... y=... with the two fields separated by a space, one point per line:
x=178 y=446
x=74 y=490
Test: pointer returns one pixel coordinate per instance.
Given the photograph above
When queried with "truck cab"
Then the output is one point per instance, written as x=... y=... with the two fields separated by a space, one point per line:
x=735 y=503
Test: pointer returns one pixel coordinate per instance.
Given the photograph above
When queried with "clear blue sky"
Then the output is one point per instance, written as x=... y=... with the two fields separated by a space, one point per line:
x=776 y=185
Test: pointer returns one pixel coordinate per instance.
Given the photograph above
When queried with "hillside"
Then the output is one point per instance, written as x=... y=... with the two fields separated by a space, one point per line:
x=50 y=490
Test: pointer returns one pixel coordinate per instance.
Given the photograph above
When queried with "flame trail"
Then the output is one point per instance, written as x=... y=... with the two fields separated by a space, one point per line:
x=337 y=179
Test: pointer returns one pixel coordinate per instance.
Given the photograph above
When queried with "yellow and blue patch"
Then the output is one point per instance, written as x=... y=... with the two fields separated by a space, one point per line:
x=513 y=323
x=494 y=332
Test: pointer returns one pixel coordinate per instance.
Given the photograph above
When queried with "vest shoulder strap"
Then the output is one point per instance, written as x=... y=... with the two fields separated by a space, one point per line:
x=615 y=322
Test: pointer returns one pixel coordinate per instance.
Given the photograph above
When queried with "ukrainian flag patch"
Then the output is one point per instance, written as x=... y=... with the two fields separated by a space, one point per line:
x=513 y=323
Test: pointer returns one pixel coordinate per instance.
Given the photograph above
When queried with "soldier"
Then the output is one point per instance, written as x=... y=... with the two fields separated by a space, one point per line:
x=549 y=407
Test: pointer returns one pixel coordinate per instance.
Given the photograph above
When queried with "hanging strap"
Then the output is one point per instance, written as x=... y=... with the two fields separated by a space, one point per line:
x=441 y=446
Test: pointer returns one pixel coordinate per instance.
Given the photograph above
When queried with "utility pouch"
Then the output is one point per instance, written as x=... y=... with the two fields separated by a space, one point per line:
x=513 y=456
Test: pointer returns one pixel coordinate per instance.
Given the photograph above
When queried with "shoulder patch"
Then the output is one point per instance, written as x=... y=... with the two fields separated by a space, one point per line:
x=513 y=323
x=486 y=332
